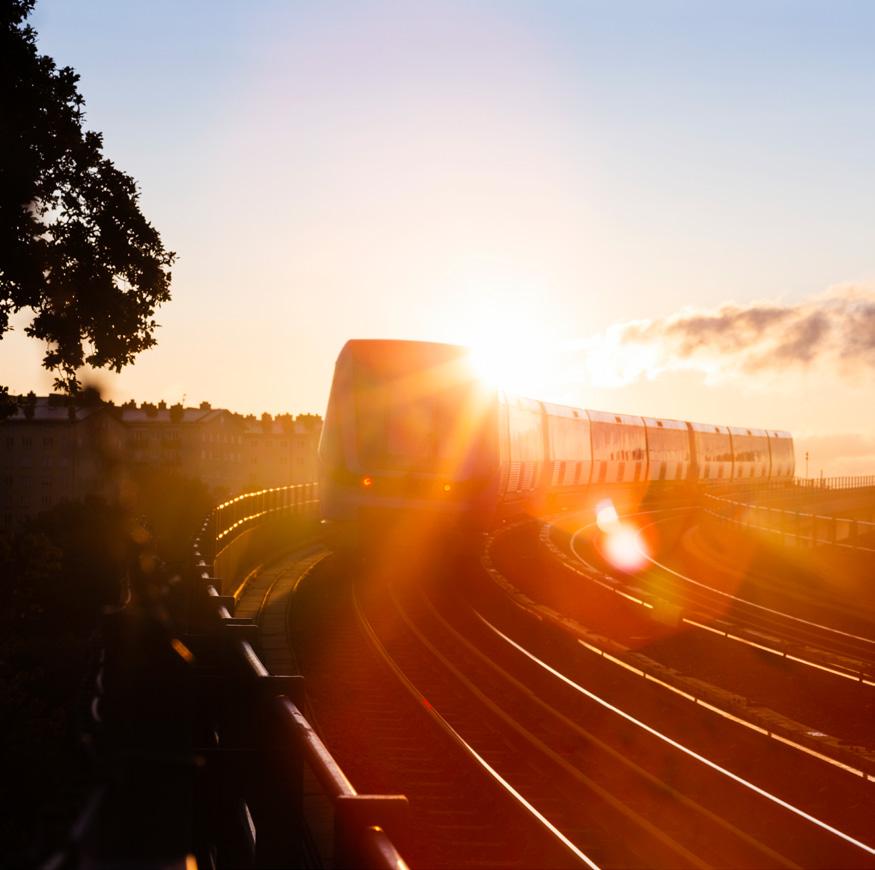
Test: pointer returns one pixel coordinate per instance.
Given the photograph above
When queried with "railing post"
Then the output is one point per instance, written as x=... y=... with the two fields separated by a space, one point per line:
x=356 y=815
x=277 y=780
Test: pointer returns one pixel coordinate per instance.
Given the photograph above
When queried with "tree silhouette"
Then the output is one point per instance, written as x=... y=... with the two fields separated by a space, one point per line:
x=8 y=403
x=74 y=247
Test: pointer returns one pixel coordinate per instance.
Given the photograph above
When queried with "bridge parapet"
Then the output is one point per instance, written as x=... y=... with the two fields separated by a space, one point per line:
x=830 y=525
x=204 y=757
x=252 y=526
x=290 y=769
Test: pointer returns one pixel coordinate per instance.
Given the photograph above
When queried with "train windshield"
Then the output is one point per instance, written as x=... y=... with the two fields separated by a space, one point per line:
x=421 y=421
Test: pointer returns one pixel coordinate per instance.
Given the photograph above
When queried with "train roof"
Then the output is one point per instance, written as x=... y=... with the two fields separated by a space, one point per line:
x=403 y=347
x=520 y=401
x=663 y=423
x=779 y=433
x=742 y=430
x=610 y=417
x=554 y=410
x=709 y=427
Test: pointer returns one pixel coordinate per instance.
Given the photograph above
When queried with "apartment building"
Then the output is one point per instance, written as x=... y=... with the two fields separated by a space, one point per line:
x=280 y=452
x=205 y=443
x=50 y=453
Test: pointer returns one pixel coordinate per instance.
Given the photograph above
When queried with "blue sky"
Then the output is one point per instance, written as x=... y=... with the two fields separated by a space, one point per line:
x=467 y=171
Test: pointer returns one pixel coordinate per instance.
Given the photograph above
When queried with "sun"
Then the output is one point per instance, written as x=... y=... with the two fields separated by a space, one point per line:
x=497 y=365
x=510 y=346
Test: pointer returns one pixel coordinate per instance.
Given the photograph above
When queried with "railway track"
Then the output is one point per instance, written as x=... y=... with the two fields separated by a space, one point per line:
x=828 y=649
x=753 y=681
x=386 y=739
x=507 y=762
x=854 y=652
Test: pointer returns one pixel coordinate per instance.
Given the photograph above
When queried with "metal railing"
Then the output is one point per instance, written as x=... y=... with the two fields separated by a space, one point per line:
x=264 y=719
x=231 y=516
x=240 y=529
x=850 y=482
x=792 y=526
x=800 y=485
x=203 y=758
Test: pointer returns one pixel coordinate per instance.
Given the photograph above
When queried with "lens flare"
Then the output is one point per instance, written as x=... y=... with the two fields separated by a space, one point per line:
x=606 y=515
x=624 y=547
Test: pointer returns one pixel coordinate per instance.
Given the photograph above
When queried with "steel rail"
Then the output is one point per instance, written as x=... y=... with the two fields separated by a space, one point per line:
x=694 y=698
x=592 y=738
x=612 y=708
x=805 y=623
x=460 y=741
x=853 y=674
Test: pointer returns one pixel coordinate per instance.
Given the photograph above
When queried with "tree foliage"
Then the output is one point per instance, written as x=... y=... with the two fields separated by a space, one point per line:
x=74 y=247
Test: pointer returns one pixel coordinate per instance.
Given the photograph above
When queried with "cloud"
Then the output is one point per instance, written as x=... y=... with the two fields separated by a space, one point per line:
x=835 y=329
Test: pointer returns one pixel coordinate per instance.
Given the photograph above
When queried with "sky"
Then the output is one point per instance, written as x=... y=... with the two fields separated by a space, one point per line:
x=656 y=208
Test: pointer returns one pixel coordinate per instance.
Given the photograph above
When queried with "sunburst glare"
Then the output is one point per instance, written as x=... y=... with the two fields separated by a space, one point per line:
x=511 y=345
x=623 y=545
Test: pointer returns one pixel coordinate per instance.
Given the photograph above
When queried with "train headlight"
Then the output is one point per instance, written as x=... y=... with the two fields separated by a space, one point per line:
x=447 y=487
x=367 y=481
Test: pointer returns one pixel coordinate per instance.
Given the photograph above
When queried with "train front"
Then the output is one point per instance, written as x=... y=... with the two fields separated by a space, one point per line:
x=409 y=443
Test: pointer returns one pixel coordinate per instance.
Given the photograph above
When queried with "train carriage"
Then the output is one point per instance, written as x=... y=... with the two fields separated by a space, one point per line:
x=750 y=453
x=712 y=447
x=569 y=447
x=782 y=464
x=668 y=450
x=522 y=451
x=407 y=425
x=410 y=431
x=619 y=448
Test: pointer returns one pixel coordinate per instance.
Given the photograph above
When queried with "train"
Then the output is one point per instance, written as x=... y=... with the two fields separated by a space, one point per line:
x=411 y=430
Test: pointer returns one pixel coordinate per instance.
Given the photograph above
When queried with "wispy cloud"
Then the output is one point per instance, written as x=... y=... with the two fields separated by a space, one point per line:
x=836 y=329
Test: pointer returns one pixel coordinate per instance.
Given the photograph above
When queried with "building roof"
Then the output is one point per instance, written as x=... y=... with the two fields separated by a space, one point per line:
x=52 y=410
